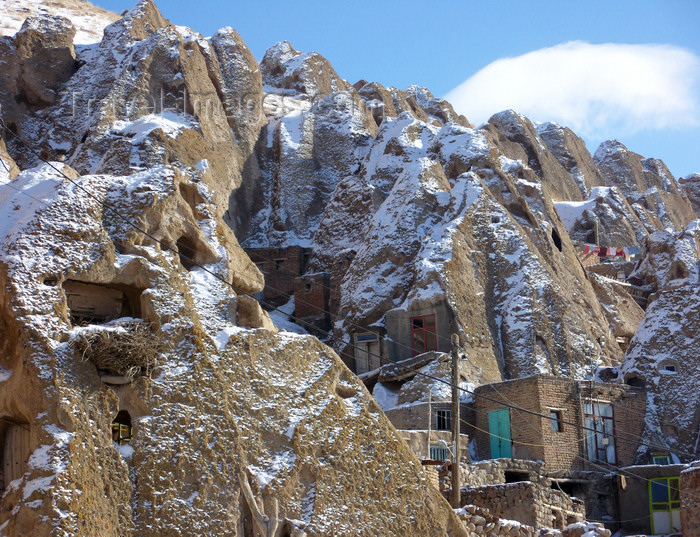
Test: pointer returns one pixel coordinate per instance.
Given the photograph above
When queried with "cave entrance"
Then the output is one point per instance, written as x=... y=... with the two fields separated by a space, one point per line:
x=556 y=239
x=186 y=249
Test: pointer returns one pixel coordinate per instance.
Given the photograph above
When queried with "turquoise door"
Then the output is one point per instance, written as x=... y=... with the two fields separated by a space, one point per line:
x=499 y=427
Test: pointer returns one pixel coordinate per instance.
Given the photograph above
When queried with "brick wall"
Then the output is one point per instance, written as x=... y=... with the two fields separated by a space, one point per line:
x=690 y=502
x=280 y=266
x=311 y=299
x=525 y=428
x=533 y=436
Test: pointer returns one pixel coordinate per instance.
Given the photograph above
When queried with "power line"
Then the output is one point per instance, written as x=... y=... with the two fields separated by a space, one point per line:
x=330 y=335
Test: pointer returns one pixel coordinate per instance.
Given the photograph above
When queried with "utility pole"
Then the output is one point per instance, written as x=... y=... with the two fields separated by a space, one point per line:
x=455 y=499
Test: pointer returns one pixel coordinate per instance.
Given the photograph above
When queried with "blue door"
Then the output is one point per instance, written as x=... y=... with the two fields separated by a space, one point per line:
x=499 y=429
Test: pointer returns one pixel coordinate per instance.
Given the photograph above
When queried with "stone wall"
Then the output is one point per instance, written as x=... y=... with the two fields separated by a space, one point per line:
x=495 y=471
x=529 y=503
x=481 y=523
x=690 y=502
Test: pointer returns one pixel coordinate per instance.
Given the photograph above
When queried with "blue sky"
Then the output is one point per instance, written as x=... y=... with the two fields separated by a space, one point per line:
x=655 y=111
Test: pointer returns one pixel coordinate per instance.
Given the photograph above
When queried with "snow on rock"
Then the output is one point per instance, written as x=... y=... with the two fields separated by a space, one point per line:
x=89 y=20
x=662 y=355
x=605 y=219
x=648 y=185
x=230 y=396
x=284 y=68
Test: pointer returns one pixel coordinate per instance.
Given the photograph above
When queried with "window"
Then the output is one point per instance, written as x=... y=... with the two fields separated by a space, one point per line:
x=278 y=264
x=670 y=368
x=423 y=334
x=443 y=420
x=438 y=453
x=555 y=420
x=665 y=504
x=661 y=459
x=121 y=428
x=600 y=440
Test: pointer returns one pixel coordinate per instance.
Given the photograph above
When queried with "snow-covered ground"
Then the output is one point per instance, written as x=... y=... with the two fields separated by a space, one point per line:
x=89 y=20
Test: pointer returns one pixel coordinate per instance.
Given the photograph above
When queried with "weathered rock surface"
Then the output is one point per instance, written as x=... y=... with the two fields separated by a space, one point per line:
x=690 y=184
x=649 y=186
x=310 y=74
x=663 y=353
x=89 y=19
x=232 y=408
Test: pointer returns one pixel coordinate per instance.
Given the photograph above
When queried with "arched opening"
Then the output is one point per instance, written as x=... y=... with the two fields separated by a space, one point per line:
x=556 y=239
x=121 y=428
x=635 y=381
x=186 y=249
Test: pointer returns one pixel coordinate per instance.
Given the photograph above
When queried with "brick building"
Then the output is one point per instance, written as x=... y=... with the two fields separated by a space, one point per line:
x=608 y=411
x=281 y=267
x=312 y=301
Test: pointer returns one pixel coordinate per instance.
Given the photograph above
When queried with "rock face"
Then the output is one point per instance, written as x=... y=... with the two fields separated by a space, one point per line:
x=663 y=352
x=90 y=20
x=169 y=153
x=690 y=184
x=234 y=428
x=649 y=186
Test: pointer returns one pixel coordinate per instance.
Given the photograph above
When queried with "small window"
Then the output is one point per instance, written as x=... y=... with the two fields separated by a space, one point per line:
x=555 y=420
x=121 y=428
x=443 y=420
x=670 y=368
x=661 y=459
x=278 y=264
x=439 y=453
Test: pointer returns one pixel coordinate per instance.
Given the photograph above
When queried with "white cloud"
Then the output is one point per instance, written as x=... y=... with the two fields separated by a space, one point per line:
x=596 y=90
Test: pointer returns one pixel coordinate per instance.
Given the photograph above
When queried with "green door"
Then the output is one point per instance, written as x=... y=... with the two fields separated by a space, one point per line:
x=499 y=427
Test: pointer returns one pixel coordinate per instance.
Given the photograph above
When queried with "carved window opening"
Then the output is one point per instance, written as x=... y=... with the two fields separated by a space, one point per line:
x=514 y=476
x=187 y=250
x=121 y=428
x=91 y=303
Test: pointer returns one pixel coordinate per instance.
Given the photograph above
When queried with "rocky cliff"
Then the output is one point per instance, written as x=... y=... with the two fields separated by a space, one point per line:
x=139 y=169
x=235 y=429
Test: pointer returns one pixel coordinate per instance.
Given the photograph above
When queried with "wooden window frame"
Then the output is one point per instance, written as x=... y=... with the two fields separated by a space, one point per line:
x=428 y=331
